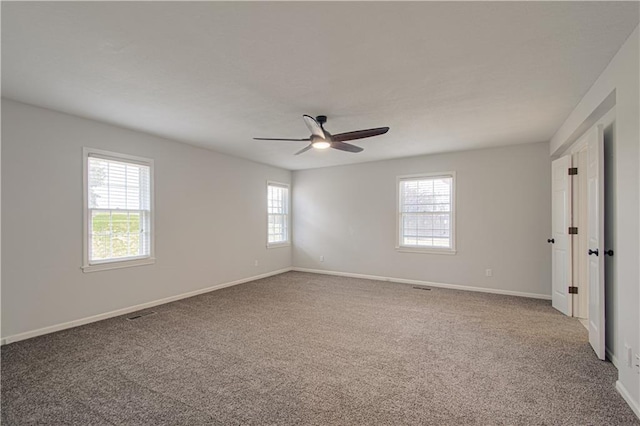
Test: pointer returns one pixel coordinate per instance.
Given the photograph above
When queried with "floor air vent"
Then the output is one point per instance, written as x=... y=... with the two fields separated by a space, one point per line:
x=141 y=315
x=422 y=288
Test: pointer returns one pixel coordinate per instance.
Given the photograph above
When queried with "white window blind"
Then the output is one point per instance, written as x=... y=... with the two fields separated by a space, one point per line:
x=278 y=214
x=118 y=209
x=426 y=212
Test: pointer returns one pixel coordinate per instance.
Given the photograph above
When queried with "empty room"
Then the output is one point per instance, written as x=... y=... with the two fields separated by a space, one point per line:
x=320 y=213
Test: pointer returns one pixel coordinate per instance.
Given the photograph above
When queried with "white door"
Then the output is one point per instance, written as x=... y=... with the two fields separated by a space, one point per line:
x=595 y=238
x=560 y=238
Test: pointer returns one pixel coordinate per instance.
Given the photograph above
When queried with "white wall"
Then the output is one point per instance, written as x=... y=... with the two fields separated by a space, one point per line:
x=210 y=220
x=621 y=76
x=348 y=215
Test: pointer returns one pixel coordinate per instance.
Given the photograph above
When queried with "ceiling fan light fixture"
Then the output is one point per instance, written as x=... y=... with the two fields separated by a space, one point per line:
x=321 y=144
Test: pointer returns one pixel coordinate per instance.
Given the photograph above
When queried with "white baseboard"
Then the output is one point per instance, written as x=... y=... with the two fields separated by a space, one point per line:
x=628 y=399
x=123 y=311
x=426 y=283
x=612 y=357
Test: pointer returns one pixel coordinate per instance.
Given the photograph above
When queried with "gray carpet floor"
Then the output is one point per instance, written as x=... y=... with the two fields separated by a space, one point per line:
x=310 y=349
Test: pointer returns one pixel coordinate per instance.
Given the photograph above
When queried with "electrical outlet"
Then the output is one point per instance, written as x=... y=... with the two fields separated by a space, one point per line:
x=489 y=272
x=637 y=363
x=255 y=263
x=629 y=355
x=321 y=258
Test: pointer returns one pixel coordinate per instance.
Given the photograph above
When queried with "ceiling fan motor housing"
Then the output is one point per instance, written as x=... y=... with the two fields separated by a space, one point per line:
x=321 y=119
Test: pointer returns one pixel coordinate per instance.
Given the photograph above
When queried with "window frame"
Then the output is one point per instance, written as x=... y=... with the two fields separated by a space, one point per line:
x=427 y=250
x=103 y=265
x=286 y=243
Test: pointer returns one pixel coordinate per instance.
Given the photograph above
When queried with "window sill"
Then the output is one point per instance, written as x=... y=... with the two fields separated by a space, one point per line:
x=425 y=250
x=118 y=264
x=278 y=245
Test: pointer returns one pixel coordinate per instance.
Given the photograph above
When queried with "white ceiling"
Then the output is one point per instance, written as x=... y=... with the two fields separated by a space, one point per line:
x=444 y=76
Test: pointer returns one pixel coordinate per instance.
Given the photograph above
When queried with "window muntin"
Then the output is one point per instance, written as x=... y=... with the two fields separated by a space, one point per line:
x=426 y=212
x=118 y=209
x=277 y=214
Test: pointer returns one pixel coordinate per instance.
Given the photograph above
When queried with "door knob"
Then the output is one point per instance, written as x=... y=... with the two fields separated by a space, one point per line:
x=609 y=252
x=593 y=252
x=551 y=240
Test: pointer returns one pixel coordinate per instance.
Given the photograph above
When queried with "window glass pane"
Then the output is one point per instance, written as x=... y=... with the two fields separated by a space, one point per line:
x=119 y=201
x=118 y=185
x=277 y=210
x=425 y=212
x=116 y=234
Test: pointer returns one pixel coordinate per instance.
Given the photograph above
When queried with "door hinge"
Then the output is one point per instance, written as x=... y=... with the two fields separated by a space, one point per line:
x=573 y=230
x=573 y=290
x=573 y=171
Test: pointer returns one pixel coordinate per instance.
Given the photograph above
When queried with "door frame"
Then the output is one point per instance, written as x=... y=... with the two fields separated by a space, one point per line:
x=561 y=240
x=579 y=143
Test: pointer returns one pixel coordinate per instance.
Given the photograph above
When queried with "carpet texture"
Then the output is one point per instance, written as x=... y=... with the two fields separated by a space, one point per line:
x=311 y=349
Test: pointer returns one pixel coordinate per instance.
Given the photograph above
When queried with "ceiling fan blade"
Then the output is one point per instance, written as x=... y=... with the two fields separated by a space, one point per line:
x=314 y=126
x=345 y=146
x=359 y=134
x=280 y=139
x=305 y=149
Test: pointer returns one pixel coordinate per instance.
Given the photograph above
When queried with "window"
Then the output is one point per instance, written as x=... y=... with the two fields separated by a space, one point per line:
x=426 y=213
x=118 y=216
x=278 y=214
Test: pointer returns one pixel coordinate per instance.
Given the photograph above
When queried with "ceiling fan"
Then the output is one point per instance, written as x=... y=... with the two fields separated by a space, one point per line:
x=322 y=139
